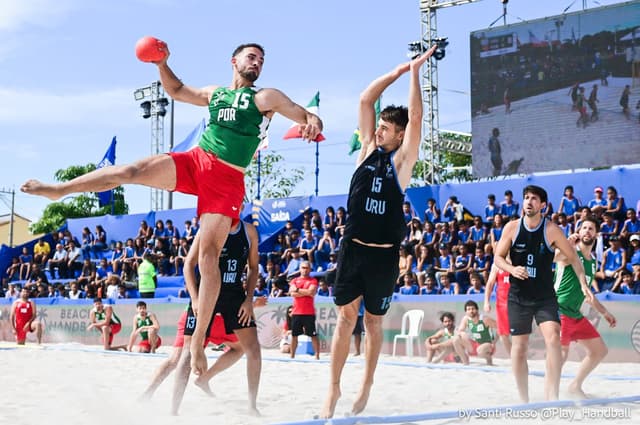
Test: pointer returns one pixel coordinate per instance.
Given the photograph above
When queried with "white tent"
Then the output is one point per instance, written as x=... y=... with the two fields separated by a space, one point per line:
x=635 y=34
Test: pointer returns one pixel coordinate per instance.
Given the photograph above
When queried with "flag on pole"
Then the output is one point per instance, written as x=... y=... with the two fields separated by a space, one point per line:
x=109 y=159
x=192 y=139
x=354 y=143
x=294 y=131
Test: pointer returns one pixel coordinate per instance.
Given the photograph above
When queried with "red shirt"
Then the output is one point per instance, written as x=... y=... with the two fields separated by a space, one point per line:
x=24 y=312
x=502 y=293
x=304 y=305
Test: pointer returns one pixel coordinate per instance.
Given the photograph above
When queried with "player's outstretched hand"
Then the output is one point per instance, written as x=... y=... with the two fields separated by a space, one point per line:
x=416 y=63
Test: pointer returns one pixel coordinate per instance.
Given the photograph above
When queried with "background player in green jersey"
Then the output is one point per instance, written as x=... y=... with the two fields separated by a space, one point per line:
x=214 y=171
x=574 y=326
x=146 y=325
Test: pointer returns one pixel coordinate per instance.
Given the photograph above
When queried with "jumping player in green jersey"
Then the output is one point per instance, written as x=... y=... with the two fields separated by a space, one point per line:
x=574 y=326
x=214 y=171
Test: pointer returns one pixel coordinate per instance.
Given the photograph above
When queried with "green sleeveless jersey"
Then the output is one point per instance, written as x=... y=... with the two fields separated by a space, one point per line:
x=568 y=289
x=479 y=331
x=236 y=126
x=140 y=322
x=101 y=315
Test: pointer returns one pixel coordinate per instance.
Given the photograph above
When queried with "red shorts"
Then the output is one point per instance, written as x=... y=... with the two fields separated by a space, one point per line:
x=502 y=318
x=115 y=328
x=474 y=348
x=21 y=334
x=572 y=329
x=146 y=344
x=219 y=187
x=217 y=333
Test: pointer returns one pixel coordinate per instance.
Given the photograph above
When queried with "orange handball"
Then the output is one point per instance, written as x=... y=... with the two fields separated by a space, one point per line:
x=148 y=49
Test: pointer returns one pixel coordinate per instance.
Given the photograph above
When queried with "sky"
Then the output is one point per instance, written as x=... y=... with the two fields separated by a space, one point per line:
x=68 y=72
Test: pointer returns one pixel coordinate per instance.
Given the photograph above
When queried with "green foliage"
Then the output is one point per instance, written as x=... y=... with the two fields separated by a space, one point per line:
x=449 y=167
x=81 y=205
x=276 y=181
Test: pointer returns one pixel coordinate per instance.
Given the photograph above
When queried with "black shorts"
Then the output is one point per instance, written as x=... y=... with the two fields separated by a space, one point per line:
x=521 y=313
x=367 y=271
x=228 y=306
x=303 y=324
x=359 y=329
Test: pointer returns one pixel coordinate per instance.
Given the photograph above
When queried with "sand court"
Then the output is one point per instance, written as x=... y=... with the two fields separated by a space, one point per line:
x=75 y=383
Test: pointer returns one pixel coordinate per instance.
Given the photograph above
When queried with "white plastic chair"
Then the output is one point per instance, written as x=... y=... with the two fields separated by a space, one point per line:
x=410 y=331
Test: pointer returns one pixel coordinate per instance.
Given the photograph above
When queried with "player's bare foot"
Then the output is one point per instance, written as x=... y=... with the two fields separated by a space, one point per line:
x=330 y=403
x=198 y=359
x=253 y=411
x=203 y=384
x=576 y=392
x=35 y=187
x=361 y=400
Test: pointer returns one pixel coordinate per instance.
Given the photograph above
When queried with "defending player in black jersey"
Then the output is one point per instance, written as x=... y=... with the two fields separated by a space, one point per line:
x=531 y=242
x=368 y=259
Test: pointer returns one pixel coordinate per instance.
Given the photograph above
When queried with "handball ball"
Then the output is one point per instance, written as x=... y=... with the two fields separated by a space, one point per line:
x=148 y=49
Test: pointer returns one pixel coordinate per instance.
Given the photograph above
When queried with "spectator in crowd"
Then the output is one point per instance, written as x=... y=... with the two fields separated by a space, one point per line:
x=444 y=263
x=324 y=290
x=87 y=242
x=509 y=208
x=261 y=288
x=463 y=264
x=117 y=257
x=614 y=260
x=122 y=292
x=87 y=275
x=634 y=252
x=569 y=204
x=292 y=270
x=270 y=275
x=279 y=247
x=496 y=230
x=490 y=210
x=37 y=276
x=59 y=262
x=41 y=251
x=106 y=322
x=171 y=230
x=453 y=209
x=13 y=290
x=178 y=255
x=102 y=272
x=160 y=232
x=445 y=235
x=146 y=325
x=564 y=225
x=475 y=333
x=23 y=318
x=52 y=292
x=325 y=247
x=99 y=242
x=341 y=218
x=303 y=316
x=405 y=263
x=409 y=286
x=26 y=260
x=478 y=232
x=631 y=225
x=414 y=236
x=429 y=287
x=444 y=343
x=147 y=279
x=476 y=284
x=407 y=212
x=74 y=292
x=128 y=261
x=145 y=232
x=285 y=341
x=424 y=264
x=430 y=239
x=161 y=256
x=74 y=259
x=608 y=228
x=329 y=221
x=626 y=285
x=447 y=287
x=598 y=204
x=583 y=213
x=481 y=263
x=432 y=213
x=13 y=271
x=189 y=232
x=308 y=247
x=615 y=204
x=41 y=290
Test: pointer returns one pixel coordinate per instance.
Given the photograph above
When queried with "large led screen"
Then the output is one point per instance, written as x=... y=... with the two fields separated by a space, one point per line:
x=557 y=93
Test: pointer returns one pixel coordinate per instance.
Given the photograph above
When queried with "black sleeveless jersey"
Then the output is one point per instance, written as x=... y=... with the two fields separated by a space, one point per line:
x=233 y=260
x=375 y=202
x=531 y=251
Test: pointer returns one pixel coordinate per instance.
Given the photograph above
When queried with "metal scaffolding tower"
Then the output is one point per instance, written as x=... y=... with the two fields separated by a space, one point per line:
x=431 y=145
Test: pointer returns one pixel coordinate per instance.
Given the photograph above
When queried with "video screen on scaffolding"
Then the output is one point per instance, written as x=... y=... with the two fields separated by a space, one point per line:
x=557 y=93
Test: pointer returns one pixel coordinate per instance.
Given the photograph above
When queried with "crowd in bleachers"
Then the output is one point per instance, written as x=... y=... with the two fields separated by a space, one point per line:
x=449 y=251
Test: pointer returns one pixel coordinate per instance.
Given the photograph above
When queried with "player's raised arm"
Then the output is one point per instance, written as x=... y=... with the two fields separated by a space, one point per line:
x=177 y=89
x=270 y=101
